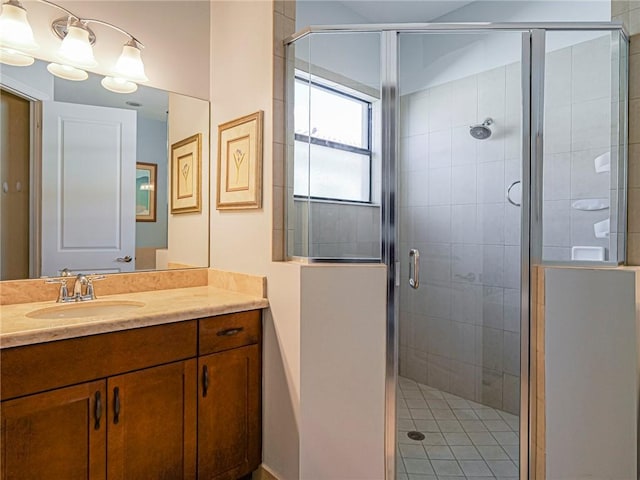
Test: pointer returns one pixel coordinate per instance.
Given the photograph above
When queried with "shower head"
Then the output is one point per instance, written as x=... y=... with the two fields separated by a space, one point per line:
x=481 y=132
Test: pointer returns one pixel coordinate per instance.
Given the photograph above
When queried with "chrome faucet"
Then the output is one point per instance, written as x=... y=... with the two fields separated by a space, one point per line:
x=82 y=288
x=81 y=281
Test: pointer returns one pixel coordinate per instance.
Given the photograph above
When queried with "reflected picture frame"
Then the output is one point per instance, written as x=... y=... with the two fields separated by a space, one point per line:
x=240 y=163
x=146 y=181
x=186 y=175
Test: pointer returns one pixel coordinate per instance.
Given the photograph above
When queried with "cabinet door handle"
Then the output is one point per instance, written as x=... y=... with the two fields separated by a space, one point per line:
x=116 y=405
x=98 y=410
x=229 y=332
x=205 y=380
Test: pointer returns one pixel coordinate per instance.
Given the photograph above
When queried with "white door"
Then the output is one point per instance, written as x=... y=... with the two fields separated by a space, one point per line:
x=88 y=188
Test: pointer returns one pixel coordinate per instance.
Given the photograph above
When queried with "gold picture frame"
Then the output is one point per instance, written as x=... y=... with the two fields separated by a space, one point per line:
x=240 y=163
x=186 y=175
x=146 y=181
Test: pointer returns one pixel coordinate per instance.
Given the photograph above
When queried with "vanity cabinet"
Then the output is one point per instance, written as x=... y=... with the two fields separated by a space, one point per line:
x=174 y=401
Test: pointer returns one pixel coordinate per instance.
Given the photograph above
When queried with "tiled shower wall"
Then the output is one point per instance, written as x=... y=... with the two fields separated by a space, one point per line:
x=338 y=230
x=459 y=332
x=579 y=108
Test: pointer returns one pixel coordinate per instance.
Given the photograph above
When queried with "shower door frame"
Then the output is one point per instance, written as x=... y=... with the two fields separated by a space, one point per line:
x=532 y=71
x=532 y=57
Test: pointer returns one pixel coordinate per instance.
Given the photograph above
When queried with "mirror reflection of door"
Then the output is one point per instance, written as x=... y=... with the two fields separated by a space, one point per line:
x=14 y=188
x=88 y=213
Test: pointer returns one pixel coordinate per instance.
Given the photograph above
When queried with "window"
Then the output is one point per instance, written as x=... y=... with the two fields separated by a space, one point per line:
x=332 y=144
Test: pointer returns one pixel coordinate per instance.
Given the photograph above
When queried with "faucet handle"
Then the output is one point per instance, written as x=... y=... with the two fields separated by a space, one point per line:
x=63 y=293
x=90 y=290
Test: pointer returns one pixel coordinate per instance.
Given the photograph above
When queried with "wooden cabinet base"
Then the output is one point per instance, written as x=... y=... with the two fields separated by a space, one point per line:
x=136 y=404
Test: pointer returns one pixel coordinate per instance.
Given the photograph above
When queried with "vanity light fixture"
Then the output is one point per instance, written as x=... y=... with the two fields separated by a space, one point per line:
x=75 y=52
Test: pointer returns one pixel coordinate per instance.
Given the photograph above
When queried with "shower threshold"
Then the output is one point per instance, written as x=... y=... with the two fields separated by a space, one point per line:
x=463 y=439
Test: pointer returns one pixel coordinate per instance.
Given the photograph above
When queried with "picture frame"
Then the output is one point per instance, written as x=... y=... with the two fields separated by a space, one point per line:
x=186 y=175
x=146 y=181
x=240 y=163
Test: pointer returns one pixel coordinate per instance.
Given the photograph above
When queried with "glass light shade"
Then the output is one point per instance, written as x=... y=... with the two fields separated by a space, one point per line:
x=76 y=49
x=15 y=31
x=118 y=85
x=67 y=72
x=129 y=66
x=10 y=56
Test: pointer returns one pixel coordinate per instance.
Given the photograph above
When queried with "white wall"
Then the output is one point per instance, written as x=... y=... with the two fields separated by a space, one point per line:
x=342 y=347
x=188 y=233
x=241 y=83
x=591 y=374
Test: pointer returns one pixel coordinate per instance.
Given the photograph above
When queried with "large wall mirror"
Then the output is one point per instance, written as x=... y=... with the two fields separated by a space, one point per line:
x=86 y=177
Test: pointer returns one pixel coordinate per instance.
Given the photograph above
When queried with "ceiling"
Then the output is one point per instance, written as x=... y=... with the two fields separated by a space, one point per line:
x=398 y=11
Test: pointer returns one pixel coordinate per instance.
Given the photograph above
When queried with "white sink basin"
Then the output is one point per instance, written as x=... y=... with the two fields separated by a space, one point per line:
x=88 y=309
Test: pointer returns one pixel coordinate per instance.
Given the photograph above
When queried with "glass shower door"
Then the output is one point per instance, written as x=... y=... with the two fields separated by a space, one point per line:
x=459 y=169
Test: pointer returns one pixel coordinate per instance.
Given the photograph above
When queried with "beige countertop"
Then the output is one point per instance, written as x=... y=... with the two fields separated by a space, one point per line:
x=160 y=306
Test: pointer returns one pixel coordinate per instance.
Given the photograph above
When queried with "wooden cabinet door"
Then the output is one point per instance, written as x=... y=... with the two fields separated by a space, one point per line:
x=229 y=413
x=152 y=423
x=54 y=435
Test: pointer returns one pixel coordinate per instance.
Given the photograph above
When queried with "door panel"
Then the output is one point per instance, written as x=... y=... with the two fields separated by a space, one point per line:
x=459 y=169
x=229 y=416
x=88 y=201
x=56 y=434
x=152 y=423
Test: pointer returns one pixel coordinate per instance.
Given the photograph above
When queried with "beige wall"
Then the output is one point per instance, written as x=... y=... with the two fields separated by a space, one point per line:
x=241 y=83
x=188 y=233
x=243 y=69
x=591 y=373
x=173 y=33
x=342 y=356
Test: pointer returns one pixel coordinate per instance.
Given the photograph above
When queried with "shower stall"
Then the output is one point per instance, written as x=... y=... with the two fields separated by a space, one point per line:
x=461 y=156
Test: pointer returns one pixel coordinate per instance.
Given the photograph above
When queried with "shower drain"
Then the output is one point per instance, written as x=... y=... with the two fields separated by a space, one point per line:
x=415 y=436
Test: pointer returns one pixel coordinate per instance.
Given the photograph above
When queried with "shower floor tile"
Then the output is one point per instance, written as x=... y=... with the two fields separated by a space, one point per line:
x=461 y=437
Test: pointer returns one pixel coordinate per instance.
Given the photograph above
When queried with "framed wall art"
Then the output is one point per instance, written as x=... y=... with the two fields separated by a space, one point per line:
x=240 y=163
x=186 y=175
x=146 y=176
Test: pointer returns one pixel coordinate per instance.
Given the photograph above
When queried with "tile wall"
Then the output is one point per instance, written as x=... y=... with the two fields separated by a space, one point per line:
x=633 y=239
x=459 y=332
x=580 y=125
x=284 y=23
x=336 y=230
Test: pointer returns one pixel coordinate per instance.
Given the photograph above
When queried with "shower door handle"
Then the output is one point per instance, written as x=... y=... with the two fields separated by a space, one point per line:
x=414 y=268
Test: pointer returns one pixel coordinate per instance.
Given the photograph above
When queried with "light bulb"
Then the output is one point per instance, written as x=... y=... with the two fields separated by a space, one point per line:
x=119 y=85
x=67 y=72
x=15 y=31
x=75 y=48
x=129 y=65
